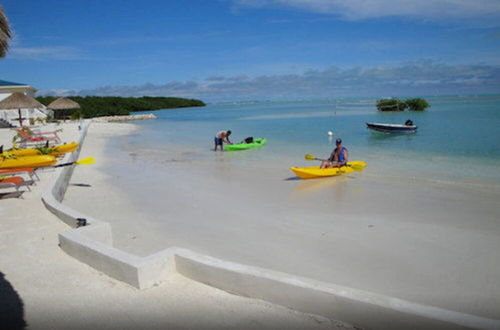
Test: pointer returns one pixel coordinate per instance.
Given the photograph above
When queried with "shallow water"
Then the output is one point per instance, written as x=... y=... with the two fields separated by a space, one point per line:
x=457 y=139
x=420 y=223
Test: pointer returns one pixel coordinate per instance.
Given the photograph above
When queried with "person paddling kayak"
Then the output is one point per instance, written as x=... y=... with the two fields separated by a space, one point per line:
x=338 y=157
x=220 y=138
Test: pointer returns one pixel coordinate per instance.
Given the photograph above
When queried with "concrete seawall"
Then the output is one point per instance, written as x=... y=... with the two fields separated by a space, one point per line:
x=93 y=245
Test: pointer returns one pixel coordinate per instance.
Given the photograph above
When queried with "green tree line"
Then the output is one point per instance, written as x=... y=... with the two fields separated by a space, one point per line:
x=98 y=106
x=394 y=104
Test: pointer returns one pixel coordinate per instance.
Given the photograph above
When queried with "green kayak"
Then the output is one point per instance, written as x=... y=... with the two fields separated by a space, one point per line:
x=244 y=146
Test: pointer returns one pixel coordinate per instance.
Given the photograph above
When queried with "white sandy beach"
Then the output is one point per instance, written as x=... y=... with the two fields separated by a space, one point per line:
x=43 y=288
x=420 y=246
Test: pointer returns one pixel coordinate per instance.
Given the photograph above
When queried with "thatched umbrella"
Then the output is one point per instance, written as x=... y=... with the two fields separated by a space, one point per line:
x=63 y=103
x=5 y=33
x=19 y=101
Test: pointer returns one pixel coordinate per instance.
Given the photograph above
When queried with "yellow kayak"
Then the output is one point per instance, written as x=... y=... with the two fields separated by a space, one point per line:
x=55 y=151
x=27 y=162
x=315 y=172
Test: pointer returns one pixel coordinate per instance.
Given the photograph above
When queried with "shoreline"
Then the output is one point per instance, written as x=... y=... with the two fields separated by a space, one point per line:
x=132 y=234
x=44 y=288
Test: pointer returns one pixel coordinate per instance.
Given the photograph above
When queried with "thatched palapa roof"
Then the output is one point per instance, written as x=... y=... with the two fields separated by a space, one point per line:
x=5 y=33
x=18 y=100
x=63 y=103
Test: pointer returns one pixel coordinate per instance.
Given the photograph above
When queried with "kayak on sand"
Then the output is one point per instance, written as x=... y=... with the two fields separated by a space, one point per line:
x=54 y=151
x=313 y=172
x=244 y=146
x=28 y=161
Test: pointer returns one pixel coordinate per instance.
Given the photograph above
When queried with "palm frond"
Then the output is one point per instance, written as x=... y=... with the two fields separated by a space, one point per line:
x=5 y=33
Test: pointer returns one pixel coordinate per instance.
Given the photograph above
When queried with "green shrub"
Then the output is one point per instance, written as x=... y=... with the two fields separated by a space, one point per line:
x=417 y=104
x=76 y=115
x=391 y=105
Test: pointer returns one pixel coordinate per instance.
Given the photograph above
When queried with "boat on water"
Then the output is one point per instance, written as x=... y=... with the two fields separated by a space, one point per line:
x=408 y=127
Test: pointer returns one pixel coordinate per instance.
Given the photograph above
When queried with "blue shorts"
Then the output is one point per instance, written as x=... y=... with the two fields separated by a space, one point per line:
x=218 y=141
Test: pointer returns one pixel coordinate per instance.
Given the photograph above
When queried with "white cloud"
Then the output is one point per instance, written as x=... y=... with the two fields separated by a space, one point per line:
x=58 y=92
x=419 y=78
x=42 y=53
x=364 y=9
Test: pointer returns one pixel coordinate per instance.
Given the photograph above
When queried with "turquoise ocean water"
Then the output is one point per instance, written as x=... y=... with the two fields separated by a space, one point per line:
x=458 y=139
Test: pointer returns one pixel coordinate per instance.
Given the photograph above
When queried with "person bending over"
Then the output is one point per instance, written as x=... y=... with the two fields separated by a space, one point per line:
x=338 y=157
x=220 y=138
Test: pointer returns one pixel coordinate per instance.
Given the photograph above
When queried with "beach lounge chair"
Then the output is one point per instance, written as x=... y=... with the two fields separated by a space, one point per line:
x=13 y=182
x=28 y=137
x=18 y=171
x=38 y=131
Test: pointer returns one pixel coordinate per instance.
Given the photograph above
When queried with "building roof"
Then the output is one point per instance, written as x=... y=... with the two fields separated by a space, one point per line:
x=63 y=103
x=10 y=83
x=19 y=100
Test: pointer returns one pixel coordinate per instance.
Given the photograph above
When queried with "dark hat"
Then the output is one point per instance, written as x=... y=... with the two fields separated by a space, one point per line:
x=338 y=141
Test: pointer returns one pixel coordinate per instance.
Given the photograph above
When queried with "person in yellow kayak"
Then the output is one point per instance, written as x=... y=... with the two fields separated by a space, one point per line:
x=338 y=158
x=220 y=138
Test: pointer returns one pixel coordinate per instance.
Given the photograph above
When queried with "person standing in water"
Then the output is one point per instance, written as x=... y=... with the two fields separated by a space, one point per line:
x=220 y=138
x=338 y=158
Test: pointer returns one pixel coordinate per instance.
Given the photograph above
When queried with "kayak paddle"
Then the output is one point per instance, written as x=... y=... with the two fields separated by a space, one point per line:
x=358 y=166
x=84 y=161
x=311 y=157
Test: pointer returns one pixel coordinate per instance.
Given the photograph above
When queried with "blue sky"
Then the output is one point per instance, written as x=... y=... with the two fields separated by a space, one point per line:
x=255 y=49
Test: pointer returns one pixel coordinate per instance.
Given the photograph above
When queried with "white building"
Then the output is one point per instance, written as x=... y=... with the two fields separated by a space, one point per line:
x=6 y=89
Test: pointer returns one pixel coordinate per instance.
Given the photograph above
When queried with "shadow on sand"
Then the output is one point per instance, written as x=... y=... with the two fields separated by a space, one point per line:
x=292 y=178
x=11 y=306
x=15 y=194
x=86 y=185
